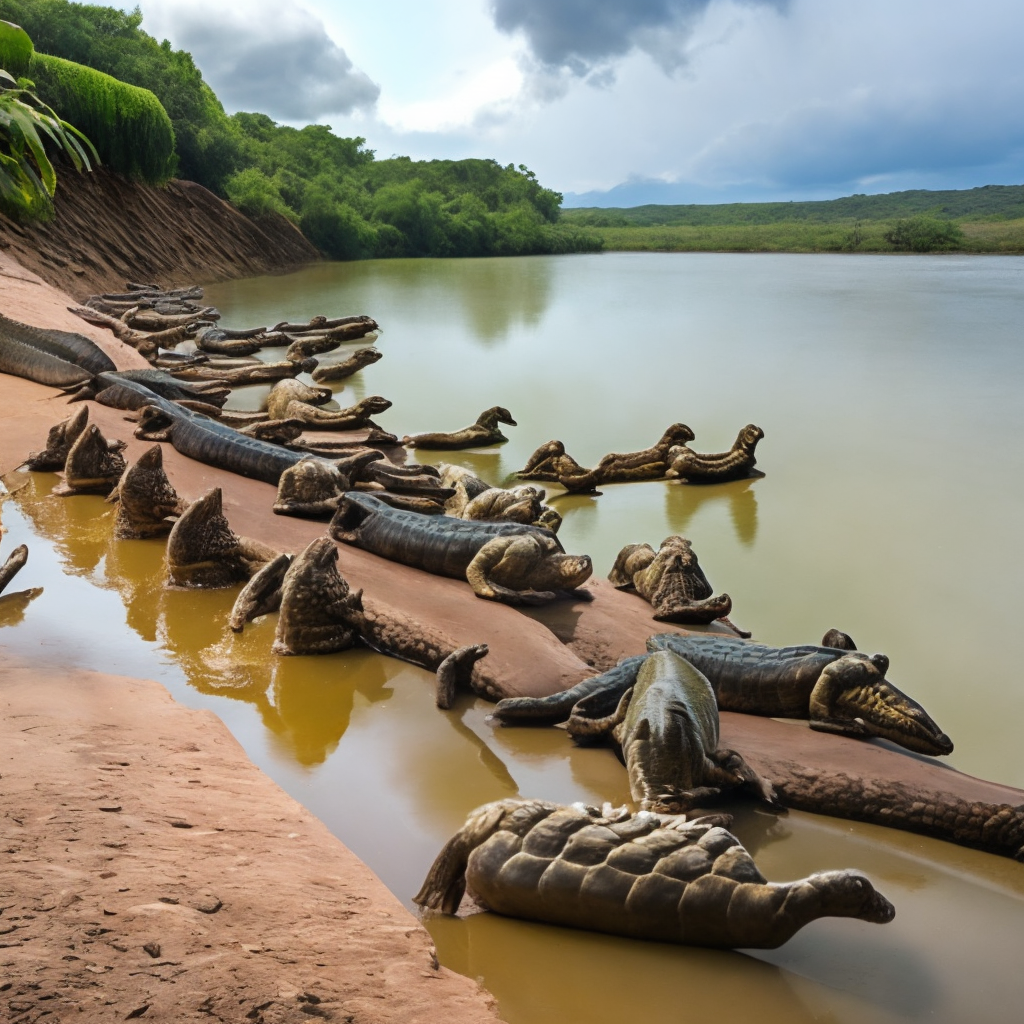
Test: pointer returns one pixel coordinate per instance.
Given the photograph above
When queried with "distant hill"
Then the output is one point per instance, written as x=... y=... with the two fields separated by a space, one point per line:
x=988 y=203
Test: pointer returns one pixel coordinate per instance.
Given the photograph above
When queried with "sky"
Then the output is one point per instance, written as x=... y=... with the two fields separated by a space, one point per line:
x=619 y=102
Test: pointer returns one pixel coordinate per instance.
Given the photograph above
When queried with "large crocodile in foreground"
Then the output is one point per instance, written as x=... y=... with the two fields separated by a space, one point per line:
x=646 y=877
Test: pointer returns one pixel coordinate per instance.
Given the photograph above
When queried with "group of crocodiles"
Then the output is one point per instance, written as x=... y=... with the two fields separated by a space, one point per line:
x=650 y=874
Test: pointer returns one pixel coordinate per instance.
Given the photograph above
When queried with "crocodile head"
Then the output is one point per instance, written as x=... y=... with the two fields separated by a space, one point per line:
x=555 y=570
x=678 y=433
x=372 y=406
x=849 y=894
x=495 y=415
x=748 y=437
x=853 y=697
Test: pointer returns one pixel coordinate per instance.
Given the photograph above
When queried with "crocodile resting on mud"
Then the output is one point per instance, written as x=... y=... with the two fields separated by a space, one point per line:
x=690 y=467
x=644 y=876
x=320 y=614
x=202 y=550
x=671 y=580
x=508 y=562
x=313 y=488
x=484 y=432
x=291 y=399
x=666 y=727
x=55 y=358
x=839 y=691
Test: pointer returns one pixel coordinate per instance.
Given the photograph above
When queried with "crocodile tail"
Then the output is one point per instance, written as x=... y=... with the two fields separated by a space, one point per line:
x=445 y=883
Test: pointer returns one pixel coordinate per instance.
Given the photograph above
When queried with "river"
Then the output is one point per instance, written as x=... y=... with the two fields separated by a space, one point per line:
x=889 y=392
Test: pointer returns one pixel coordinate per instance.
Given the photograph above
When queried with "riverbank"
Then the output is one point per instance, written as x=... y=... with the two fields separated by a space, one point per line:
x=152 y=870
x=981 y=237
x=107 y=229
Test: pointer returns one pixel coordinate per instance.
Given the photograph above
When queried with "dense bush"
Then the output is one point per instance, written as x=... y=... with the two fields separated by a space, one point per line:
x=15 y=49
x=924 y=234
x=347 y=203
x=132 y=131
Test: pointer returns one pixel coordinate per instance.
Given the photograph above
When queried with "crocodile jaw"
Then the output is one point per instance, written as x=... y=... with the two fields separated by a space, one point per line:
x=852 y=689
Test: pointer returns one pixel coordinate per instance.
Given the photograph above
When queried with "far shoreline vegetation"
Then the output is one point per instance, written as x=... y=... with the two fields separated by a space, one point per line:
x=989 y=219
x=152 y=117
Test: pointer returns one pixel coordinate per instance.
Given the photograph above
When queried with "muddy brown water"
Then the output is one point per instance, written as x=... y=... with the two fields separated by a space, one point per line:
x=888 y=390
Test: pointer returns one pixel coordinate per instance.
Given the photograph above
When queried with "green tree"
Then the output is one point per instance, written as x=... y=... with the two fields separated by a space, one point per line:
x=924 y=234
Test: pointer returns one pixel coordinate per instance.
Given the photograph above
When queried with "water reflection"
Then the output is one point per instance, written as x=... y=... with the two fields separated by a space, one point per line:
x=682 y=503
x=13 y=606
x=485 y=297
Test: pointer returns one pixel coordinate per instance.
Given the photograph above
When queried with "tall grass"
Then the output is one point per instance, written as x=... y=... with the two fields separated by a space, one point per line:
x=129 y=127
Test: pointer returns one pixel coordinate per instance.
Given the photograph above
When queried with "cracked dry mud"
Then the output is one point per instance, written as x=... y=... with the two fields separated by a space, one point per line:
x=149 y=871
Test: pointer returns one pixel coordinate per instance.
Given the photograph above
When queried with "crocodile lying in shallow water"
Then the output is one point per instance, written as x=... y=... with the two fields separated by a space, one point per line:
x=509 y=562
x=203 y=551
x=666 y=726
x=646 y=876
x=484 y=432
x=839 y=691
x=320 y=614
x=145 y=499
x=692 y=467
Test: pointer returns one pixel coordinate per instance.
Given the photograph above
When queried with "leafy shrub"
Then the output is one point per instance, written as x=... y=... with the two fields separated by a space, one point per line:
x=27 y=177
x=256 y=194
x=924 y=234
x=132 y=130
x=15 y=49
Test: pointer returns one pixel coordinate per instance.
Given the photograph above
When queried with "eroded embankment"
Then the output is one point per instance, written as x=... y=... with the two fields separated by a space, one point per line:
x=108 y=230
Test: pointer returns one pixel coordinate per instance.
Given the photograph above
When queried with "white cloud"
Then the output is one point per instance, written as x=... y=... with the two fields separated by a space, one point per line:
x=273 y=57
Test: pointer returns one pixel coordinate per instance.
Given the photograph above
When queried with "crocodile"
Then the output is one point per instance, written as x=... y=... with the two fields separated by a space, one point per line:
x=644 y=876
x=327 y=339
x=68 y=346
x=320 y=614
x=496 y=504
x=202 y=550
x=291 y=399
x=313 y=487
x=484 y=432
x=839 y=691
x=208 y=392
x=13 y=565
x=242 y=376
x=671 y=580
x=146 y=343
x=145 y=499
x=666 y=726
x=59 y=440
x=509 y=562
x=20 y=356
x=551 y=462
x=217 y=341
x=93 y=466
x=359 y=359
x=317 y=325
x=693 y=468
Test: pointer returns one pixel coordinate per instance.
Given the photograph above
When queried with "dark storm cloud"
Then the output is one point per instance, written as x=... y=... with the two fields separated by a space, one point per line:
x=279 y=60
x=582 y=34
